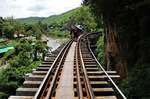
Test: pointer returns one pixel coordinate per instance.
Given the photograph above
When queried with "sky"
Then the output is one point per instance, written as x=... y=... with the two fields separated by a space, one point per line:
x=40 y=8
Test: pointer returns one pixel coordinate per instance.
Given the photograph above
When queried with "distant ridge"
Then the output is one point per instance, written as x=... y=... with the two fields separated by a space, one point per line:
x=30 y=20
x=49 y=20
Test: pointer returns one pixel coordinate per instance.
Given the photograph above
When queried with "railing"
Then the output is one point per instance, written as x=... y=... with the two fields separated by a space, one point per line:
x=113 y=83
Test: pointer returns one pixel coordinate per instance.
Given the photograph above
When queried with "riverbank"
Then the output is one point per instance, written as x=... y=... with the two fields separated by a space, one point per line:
x=54 y=42
x=12 y=76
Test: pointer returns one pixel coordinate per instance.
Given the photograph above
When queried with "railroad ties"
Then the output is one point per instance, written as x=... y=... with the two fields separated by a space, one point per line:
x=100 y=87
x=34 y=79
x=73 y=74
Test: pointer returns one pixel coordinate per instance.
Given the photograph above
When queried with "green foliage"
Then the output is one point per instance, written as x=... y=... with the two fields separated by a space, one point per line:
x=55 y=19
x=8 y=30
x=27 y=69
x=138 y=78
x=23 y=45
x=100 y=49
x=7 y=87
x=80 y=16
x=60 y=19
x=30 y=20
x=57 y=25
x=22 y=59
x=10 y=27
x=36 y=31
x=84 y=17
x=58 y=33
x=129 y=22
x=39 y=47
x=25 y=55
x=13 y=77
x=3 y=95
x=22 y=62
x=13 y=29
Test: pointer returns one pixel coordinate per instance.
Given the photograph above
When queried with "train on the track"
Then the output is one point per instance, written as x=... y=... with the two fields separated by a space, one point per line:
x=75 y=31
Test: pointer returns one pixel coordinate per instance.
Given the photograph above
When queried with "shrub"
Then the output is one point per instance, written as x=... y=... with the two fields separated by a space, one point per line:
x=100 y=49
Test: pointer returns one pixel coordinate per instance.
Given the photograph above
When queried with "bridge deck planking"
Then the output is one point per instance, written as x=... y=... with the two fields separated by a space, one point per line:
x=65 y=86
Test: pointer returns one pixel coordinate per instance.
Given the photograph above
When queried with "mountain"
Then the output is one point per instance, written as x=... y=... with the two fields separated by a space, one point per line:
x=49 y=20
x=30 y=20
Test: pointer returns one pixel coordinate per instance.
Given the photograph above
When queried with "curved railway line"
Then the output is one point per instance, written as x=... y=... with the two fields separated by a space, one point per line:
x=73 y=72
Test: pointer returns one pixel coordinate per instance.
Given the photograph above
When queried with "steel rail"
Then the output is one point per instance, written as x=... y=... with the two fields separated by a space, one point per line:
x=79 y=85
x=117 y=88
x=87 y=83
x=53 y=83
x=46 y=79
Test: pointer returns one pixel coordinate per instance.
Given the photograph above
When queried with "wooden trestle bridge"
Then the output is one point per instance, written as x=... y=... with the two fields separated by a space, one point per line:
x=71 y=72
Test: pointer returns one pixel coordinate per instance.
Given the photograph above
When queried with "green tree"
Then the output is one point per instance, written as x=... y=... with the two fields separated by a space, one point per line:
x=8 y=31
x=39 y=47
x=1 y=26
x=85 y=18
x=126 y=24
x=19 y=29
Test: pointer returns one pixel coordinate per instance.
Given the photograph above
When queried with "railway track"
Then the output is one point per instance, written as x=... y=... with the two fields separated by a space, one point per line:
x=72 y=73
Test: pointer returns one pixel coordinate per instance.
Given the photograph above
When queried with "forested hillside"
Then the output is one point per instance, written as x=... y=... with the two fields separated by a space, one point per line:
x=81 y=16
x=30 y=20
x=29 y=50
x=57 y=25
x=49 y=20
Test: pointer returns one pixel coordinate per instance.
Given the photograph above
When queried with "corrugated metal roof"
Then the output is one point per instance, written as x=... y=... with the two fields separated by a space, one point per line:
x=3 y=50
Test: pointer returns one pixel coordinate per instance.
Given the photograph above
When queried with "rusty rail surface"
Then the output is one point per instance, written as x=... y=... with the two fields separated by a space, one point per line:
x=86 y=80
x=101 y=67
x=44 y=85
x=90 y=82
x=80 y=91
x=80 y=72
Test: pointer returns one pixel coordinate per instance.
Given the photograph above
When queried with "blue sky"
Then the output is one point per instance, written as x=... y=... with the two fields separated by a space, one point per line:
x=40 y=8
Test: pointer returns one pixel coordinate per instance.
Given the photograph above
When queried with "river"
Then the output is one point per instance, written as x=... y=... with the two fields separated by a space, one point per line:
x=54 y=43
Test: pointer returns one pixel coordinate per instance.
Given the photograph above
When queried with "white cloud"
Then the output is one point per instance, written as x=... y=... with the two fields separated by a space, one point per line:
x=41 y=8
